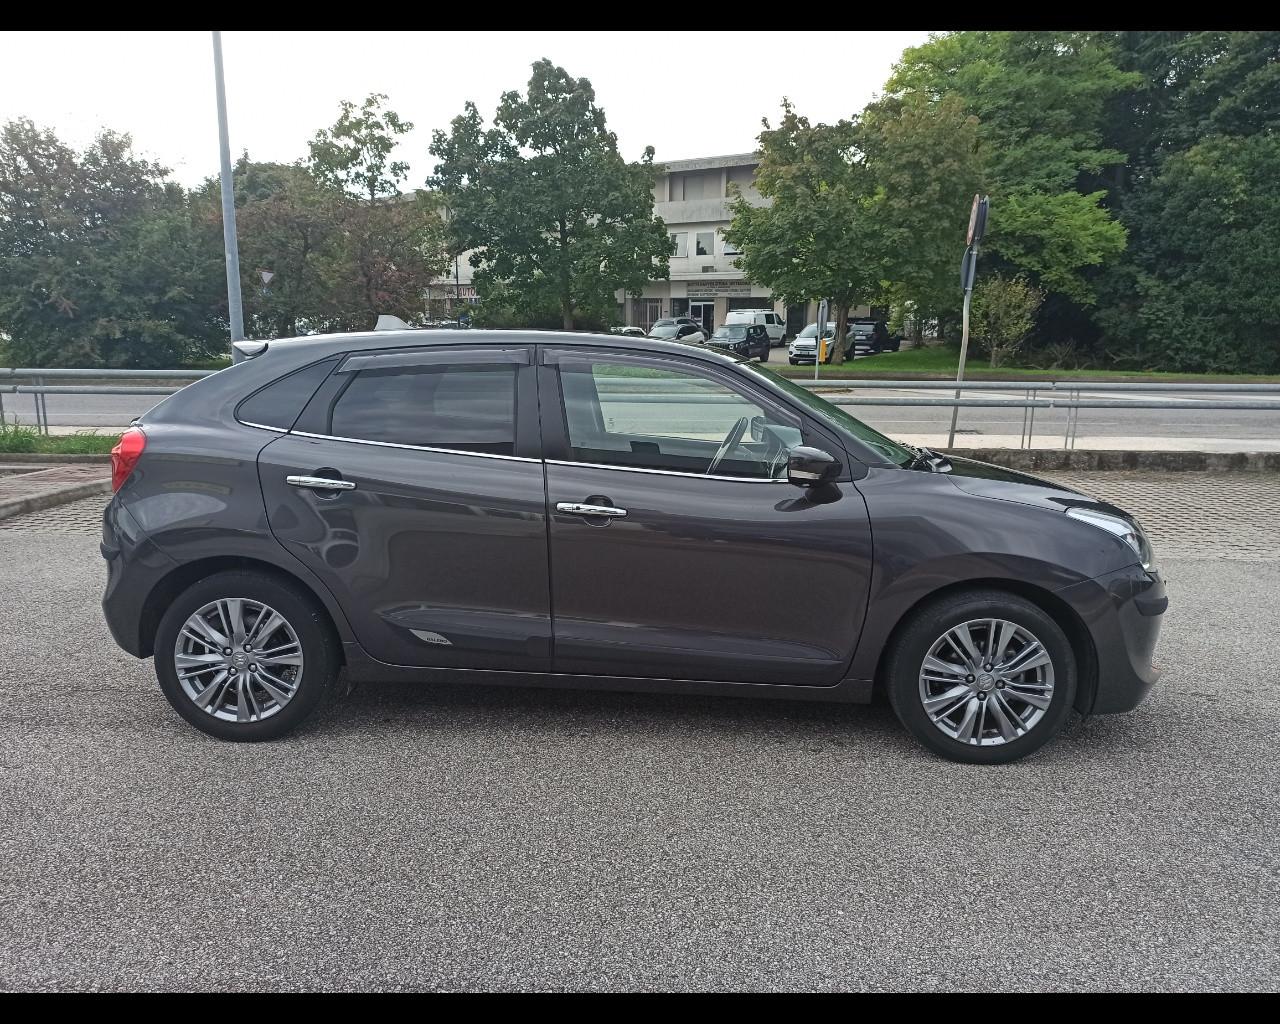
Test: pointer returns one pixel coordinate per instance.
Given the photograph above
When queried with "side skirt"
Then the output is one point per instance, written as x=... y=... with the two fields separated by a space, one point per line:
x=362 y=668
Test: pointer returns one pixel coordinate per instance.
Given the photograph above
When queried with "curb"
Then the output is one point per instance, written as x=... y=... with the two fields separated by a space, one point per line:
x=1043 y=460
x=42 y=500
x=51 y=458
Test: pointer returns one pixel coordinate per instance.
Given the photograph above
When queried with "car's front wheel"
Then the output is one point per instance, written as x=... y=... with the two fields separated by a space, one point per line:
x=982 y=676
x=242 y=655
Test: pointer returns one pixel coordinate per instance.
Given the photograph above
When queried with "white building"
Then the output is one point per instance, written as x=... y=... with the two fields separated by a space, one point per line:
x=693 y=198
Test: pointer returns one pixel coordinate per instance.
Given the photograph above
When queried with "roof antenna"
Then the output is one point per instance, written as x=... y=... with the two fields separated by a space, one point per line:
x=387 y=322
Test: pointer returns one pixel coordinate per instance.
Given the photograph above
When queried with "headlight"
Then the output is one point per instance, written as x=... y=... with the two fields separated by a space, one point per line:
x=1131 y=533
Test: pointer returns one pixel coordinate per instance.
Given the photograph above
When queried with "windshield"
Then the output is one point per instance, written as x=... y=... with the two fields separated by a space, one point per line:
x=664 y=330
x=863 y=330
x=733 y=332
x=837 y=417
x=812 y=331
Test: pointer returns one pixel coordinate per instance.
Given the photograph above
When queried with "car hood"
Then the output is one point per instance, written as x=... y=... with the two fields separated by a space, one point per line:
x=988 y=481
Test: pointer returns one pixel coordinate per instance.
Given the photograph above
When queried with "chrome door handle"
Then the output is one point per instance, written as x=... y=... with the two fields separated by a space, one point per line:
x=574 y=508
x=320 y=483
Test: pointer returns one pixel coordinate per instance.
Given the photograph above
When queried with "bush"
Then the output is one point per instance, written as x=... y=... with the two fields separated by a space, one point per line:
x=1003 y=314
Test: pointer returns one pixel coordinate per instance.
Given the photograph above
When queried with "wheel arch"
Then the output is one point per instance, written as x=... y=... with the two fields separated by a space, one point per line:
x=181 y=577
x=1082 y=644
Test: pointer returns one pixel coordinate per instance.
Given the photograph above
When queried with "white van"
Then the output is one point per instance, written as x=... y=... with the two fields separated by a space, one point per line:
x=767 y=318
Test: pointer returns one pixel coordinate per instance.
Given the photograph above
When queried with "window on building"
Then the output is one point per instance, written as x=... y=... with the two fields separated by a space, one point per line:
x=681 y=238
x=706 y=243
x=456 y=405
x=730 y=249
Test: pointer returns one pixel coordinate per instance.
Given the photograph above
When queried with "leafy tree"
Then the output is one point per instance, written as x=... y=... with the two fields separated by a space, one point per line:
x=1004 y=313
x=1198 y=201
x=925 y=161
x=1199 y=292
x=101 y=261
x=355 y=154
x=555 y=216
x=815 y=239
x=1041 y=99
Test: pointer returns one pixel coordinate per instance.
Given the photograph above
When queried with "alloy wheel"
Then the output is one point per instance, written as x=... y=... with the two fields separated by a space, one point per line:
x=238 y=660
x=986 y=682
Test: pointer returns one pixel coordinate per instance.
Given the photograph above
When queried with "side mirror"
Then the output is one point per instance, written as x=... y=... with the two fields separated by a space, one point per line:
x=811 y=467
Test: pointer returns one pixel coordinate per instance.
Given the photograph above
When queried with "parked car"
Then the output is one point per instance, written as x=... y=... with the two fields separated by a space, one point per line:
x=870 y=337
x=750 y=341
x=530 y=509
x=677 y=329
x=804 y=347
x=767 y=318
x=631 y=332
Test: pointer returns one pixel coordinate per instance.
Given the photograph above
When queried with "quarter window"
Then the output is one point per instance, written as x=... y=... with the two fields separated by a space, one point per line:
x=279 y=403
x=470 y=408
x=640 y=415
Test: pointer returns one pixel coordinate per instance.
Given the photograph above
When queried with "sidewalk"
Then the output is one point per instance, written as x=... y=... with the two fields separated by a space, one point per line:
x=32 y=487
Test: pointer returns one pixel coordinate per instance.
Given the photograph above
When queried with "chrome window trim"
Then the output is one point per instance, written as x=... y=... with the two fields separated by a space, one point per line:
x=412 y=447
x=262 y=426
x=669 y=472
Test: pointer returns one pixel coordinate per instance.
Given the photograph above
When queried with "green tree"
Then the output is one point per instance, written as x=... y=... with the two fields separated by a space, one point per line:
x=101 y=260
x=1198 y=200
x=1041 y=99
x=1199 y=292
x=555 y=216
x=355 y=154
x=815 y=240
x=925 y=161
x=1004 y=314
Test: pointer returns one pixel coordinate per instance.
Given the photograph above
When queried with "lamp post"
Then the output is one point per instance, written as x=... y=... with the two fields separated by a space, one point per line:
x=235 y=307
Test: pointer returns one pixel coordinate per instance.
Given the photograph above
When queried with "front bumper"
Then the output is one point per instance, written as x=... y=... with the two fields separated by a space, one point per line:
x=1122 y=611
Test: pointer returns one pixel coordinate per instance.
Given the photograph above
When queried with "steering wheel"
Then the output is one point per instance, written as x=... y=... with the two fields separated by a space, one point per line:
x=726 y=446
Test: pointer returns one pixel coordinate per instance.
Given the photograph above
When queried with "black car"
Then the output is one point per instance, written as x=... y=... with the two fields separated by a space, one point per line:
x=750 y=341
x=600 y=512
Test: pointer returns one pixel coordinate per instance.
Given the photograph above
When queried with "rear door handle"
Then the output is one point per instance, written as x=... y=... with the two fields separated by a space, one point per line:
x=320 y=483
x=577 y=509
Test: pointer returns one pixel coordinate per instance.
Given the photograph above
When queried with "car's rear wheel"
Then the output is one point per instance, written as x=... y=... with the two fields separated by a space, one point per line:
x=982 y=676
x=243 y=655
x=764 y=354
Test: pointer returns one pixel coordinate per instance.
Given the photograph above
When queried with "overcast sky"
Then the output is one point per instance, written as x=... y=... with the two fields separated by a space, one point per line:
x=686 y=94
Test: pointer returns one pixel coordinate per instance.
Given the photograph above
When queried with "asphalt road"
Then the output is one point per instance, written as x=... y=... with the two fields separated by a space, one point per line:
x=115 y=412
x=457 y=838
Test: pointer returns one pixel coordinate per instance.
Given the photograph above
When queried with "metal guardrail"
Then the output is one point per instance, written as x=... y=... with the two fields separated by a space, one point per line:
x=1046 y=394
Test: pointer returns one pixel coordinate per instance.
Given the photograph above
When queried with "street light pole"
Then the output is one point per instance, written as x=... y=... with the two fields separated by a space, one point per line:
x=235 y=307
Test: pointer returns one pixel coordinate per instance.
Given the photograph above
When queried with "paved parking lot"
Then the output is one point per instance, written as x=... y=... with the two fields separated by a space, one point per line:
x=446 y=837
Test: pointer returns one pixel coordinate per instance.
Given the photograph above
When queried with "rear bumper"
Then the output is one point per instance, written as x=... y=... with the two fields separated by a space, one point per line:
x=1122 y=611
x=134 y=566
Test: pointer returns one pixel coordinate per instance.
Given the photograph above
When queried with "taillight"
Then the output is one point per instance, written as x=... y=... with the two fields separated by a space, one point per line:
x=124 y=456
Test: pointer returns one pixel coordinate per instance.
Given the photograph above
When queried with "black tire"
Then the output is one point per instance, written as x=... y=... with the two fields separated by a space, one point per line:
x=764 y=356
x=909 y=647
x=309 y=622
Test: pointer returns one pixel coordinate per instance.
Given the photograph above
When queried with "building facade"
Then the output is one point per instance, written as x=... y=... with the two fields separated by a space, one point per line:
x=693 y=198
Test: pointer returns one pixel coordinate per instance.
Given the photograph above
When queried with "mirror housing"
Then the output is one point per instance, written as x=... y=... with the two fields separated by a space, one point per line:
x=811 y=467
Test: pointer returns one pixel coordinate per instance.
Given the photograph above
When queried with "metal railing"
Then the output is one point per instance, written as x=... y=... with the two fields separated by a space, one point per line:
x=1036 y=395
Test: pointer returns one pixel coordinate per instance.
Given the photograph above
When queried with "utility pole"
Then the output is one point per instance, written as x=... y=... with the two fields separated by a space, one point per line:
x=968 y=269
x=235 y=307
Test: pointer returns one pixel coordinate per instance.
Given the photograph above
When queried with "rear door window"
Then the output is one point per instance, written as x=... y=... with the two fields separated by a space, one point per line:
x=462 y=402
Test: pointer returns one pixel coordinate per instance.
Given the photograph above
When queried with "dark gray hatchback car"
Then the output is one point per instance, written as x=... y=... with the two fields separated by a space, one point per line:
x=604 y=513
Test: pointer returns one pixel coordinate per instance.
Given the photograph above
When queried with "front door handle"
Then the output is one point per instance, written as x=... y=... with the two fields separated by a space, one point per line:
x=320 y=483
x=577 y=509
